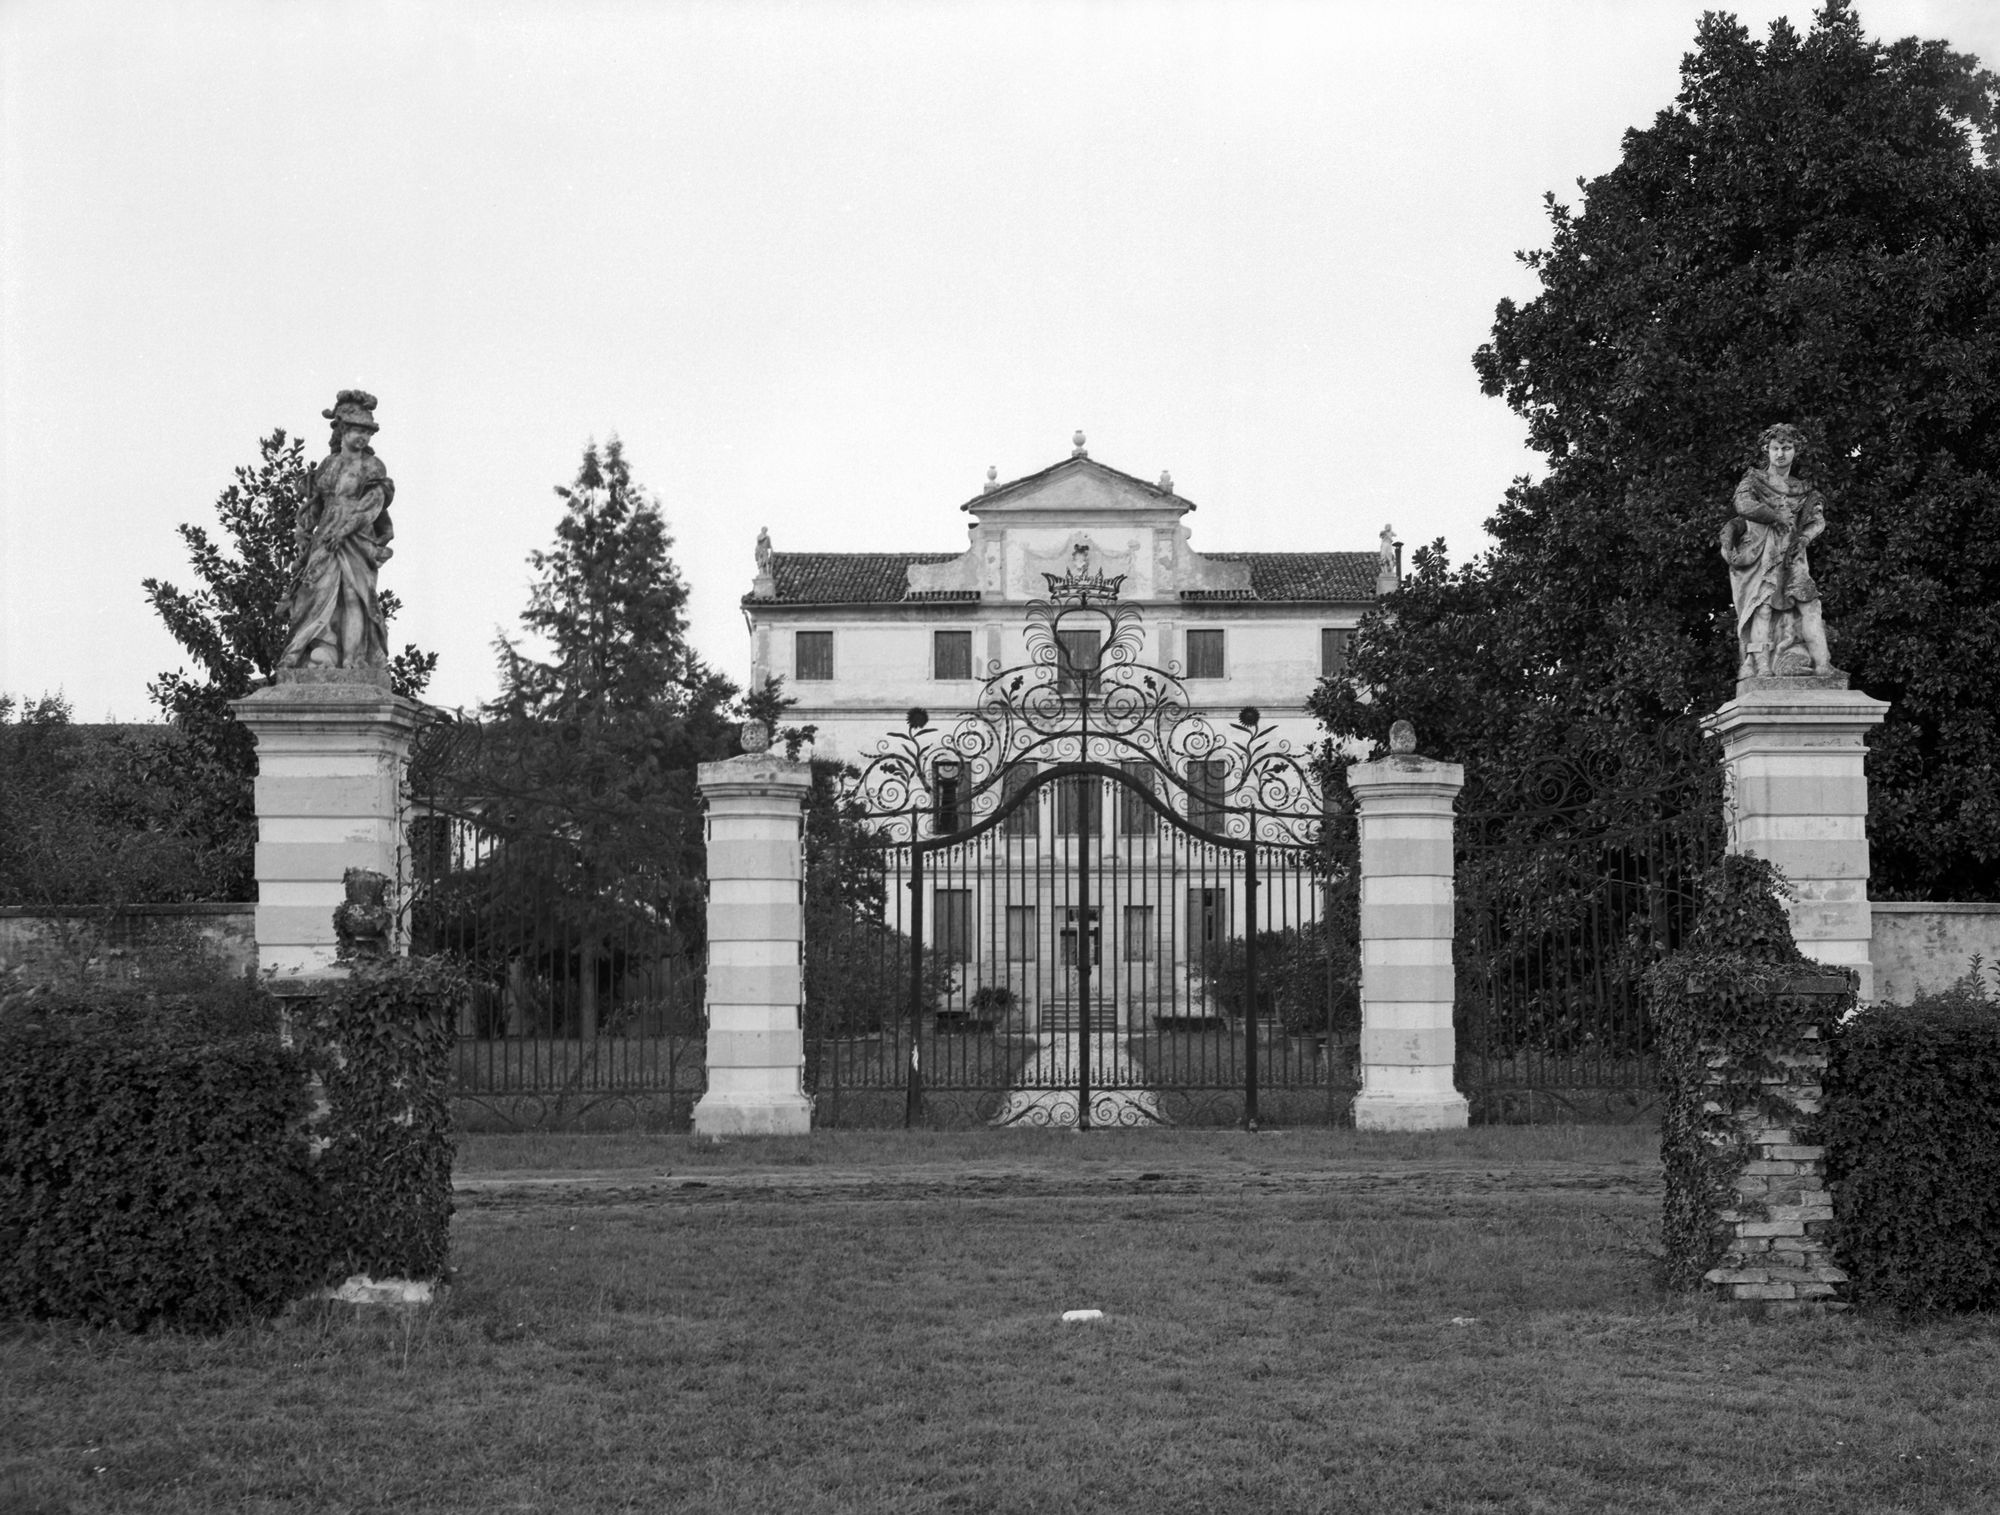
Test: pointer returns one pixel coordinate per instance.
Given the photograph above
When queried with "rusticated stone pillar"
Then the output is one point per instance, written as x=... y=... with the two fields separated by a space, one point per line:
x=1407 y=991
x=331 y=745
x=1798 y=795
x=756 y=937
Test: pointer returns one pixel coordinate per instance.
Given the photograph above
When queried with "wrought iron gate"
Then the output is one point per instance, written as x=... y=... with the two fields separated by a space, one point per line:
x=574 y=908
x=1080 y=903
x=1574 y=877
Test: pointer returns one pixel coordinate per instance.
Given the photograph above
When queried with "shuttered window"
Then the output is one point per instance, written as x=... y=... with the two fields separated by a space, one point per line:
x=814 y=655
x=1204 y=654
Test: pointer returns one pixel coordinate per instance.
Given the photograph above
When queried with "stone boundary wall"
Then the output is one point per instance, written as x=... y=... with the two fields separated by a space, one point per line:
x=37 y=946
x=1918 y=946
x=1779 y=1230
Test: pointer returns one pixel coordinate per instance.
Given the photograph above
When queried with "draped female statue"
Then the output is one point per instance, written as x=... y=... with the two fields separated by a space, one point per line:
x=342 y=538
x=1779 y=632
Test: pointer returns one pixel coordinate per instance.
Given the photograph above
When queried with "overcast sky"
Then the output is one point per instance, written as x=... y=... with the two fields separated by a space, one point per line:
x=817 y=265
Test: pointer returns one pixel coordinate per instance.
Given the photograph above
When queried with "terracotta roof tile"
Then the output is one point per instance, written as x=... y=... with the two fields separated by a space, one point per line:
x=1307 y=575
x=846 y=578
x=881 y=578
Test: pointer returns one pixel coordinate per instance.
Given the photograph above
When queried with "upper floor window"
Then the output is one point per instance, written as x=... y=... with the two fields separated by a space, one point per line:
x=814 y=651
x=946 y=776
x=1333 y=650
x=1208 y=793
x=1204 y=654
x=951 y=654
x=1077 y=653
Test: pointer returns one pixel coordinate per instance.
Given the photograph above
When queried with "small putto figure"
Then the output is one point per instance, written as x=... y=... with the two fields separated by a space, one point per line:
x=343 y=539
x=1779 y=632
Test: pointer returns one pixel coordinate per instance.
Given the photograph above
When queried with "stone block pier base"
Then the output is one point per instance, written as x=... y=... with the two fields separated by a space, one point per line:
x=1407 y=988
x=756 y=928
x=331 y=745
x=1798 y=795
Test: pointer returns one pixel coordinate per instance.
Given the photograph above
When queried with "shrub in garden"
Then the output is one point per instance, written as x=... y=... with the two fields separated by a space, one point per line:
x=166 y=1159
x=1724 y=1022
x=153 y=1166
x=1913 y=1150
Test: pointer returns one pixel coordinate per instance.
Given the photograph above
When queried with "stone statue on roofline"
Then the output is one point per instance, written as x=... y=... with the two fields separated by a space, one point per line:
x=1779 y=630
x=342 y=539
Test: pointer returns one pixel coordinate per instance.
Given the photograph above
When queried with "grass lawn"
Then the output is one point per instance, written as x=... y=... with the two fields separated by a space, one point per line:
x=869 y=1321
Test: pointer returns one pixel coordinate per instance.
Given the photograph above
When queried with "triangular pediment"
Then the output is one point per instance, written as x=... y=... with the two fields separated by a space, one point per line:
x=1078 y=487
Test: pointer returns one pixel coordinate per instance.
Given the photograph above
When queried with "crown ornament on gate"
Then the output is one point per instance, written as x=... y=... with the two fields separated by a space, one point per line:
x=1080 y=586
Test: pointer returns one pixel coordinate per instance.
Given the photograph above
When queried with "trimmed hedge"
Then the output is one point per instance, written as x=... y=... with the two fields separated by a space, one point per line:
x=381 y=1043
x=167 y=1160
x=150 y=1172
x=1725 y=1024
x=1913 y=1151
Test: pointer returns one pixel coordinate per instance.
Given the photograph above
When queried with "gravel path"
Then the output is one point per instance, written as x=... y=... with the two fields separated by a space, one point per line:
x=917 y=1183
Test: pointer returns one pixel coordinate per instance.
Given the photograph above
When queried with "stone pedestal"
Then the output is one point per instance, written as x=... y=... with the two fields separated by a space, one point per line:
x=1407 y=989
x=1798 y=796
x=331 y=745
x=756 y=935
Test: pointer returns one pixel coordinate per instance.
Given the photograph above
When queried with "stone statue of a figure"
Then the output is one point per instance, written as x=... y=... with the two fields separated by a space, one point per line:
x=342 y=538
x=1779 y=632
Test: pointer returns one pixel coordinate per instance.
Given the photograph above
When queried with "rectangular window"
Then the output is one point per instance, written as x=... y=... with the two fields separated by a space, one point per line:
x=814 y=659
x=1135 y=816
x=951 y=932
x=1026 y=821
x=946 y=778
x=1208 y=780
x=951 y=654
x=1138 y=933
x=1021 y=935
x=1077 y=653
x=1333 y=650
x=1204 y=654
x=1079 y=807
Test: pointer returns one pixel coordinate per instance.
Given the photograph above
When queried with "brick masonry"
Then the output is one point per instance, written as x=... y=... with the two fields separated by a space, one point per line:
x=1779 y=1228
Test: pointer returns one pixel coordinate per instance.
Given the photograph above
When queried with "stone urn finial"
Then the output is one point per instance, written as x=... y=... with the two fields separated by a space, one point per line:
x=1402 y=738
x=992 y=477
x=1076 y=446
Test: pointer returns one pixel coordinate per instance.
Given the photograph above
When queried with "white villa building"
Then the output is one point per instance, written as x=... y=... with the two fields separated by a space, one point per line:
x=861 y=637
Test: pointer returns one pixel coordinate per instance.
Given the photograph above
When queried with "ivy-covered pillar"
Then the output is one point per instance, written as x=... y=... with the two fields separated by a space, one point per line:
x=756 y=947
x=1798 y=796
x=331 y=745
x=1407 y=986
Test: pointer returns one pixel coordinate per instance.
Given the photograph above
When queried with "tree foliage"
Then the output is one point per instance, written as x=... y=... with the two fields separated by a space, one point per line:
x=88 y=820
x=234 y=628
x=583 y=780
x=1807 y=234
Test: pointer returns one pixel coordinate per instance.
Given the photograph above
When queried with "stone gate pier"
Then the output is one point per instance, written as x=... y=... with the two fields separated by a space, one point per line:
x=756 y=928
x=1408 y=1047
x=1798 y=795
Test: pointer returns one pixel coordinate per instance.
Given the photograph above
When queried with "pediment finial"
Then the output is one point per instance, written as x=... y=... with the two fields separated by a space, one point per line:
x=1076 y=446
x=992 y=477
x=1166 y=482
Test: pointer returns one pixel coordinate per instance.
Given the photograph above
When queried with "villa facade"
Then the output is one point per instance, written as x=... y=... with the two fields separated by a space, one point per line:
x=860 y=639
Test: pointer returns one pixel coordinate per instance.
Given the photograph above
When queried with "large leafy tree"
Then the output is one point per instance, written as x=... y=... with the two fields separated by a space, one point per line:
x=234 y=627
x=584 y=777
x=1810 y=233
